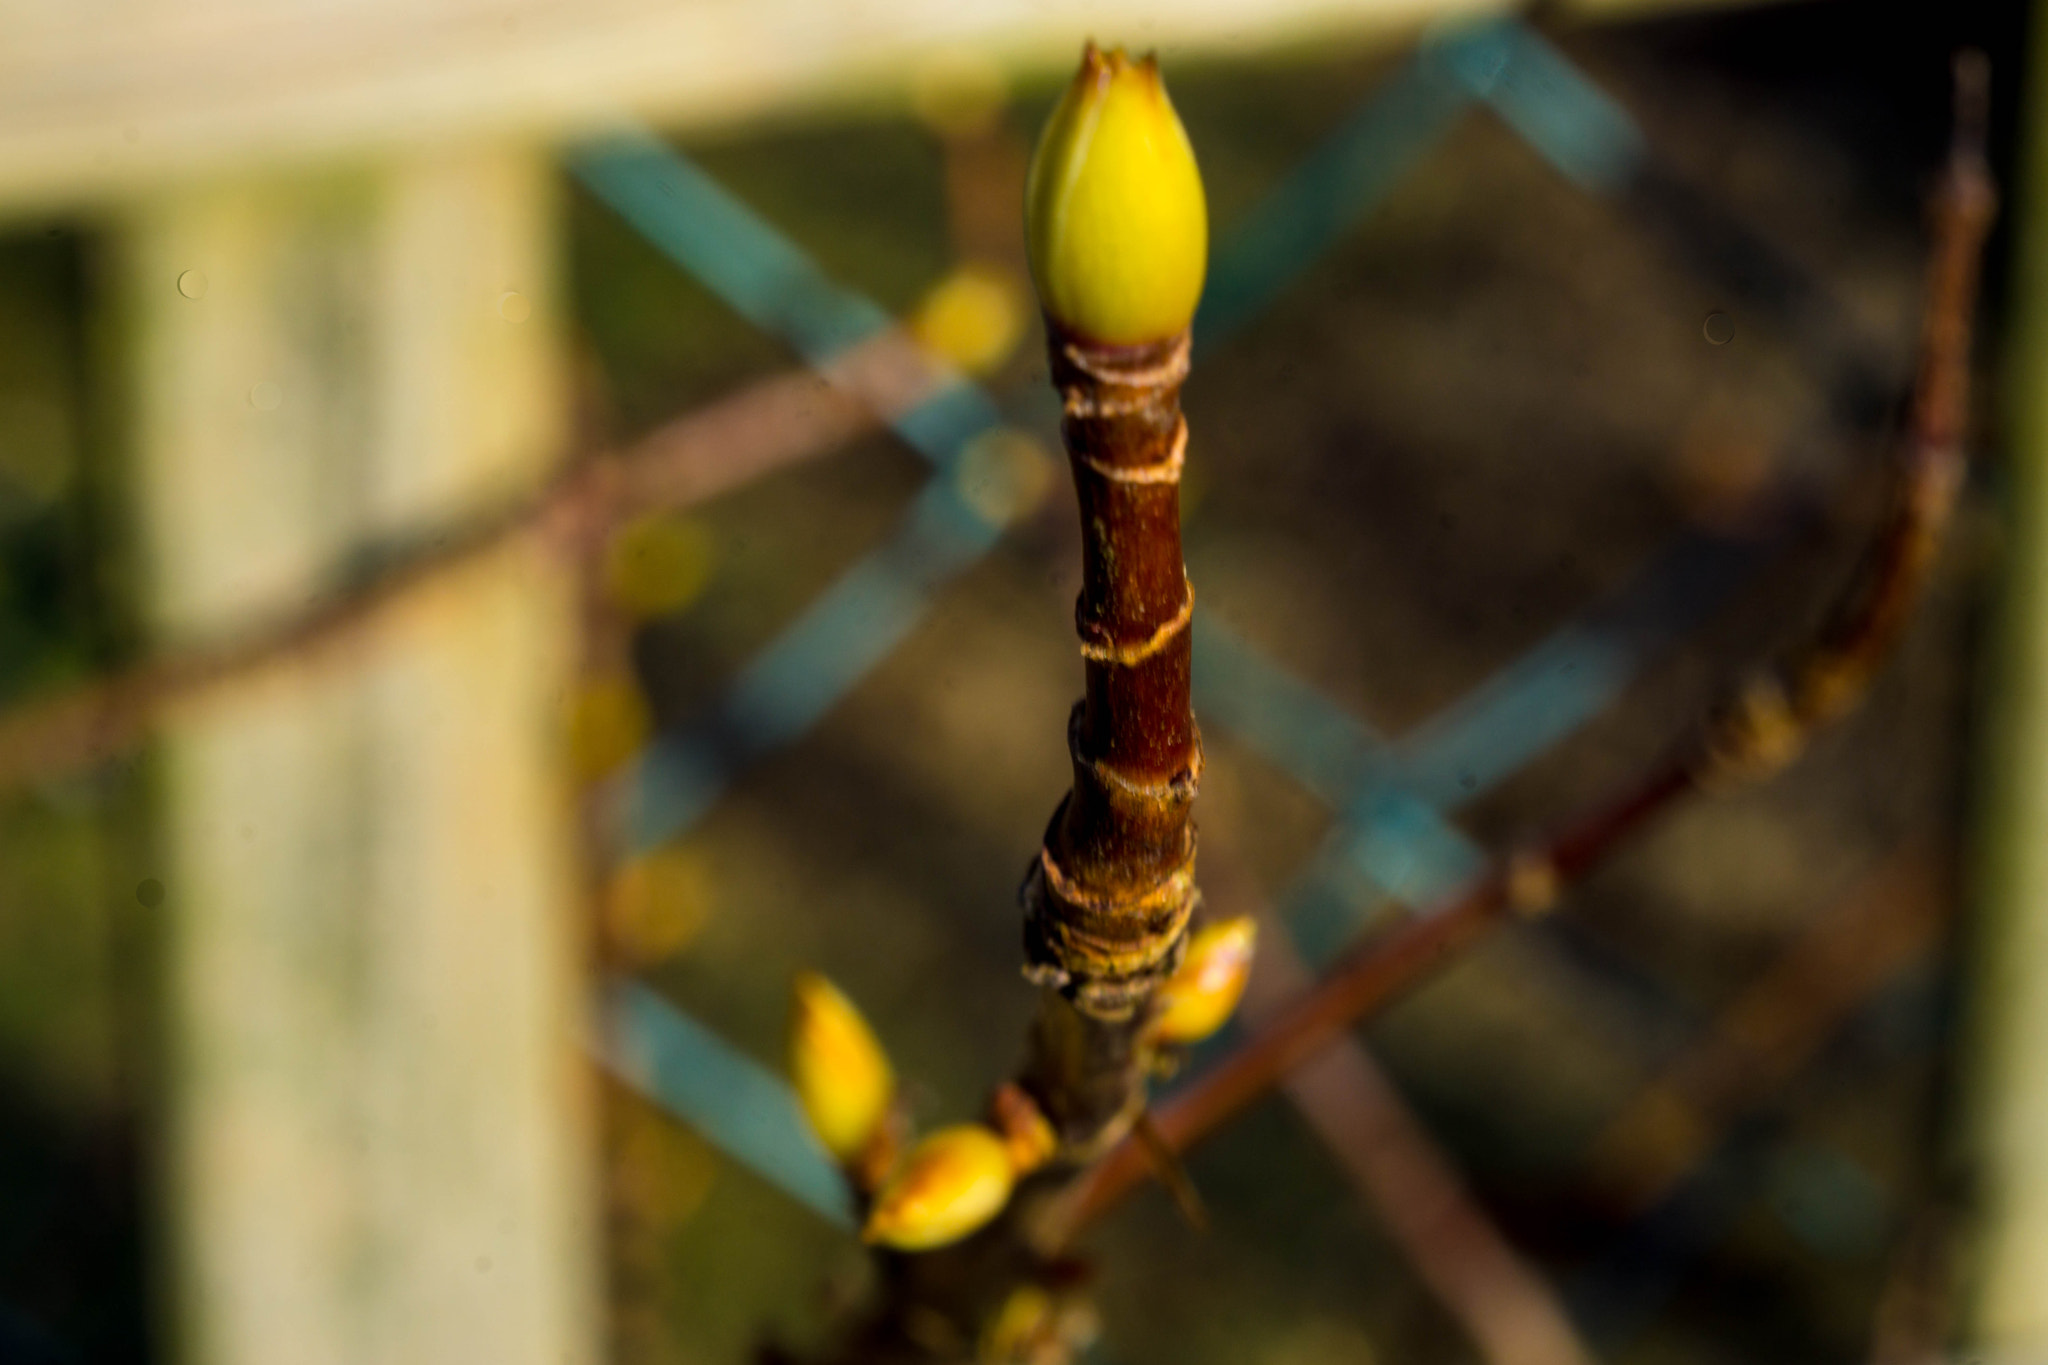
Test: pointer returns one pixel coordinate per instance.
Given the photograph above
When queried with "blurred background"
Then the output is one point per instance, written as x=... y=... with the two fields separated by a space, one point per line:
x=524 y=525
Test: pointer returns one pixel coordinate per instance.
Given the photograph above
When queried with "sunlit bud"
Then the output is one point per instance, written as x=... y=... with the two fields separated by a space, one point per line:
x=1196 y=1000
x=840 y=1072
x=1113 y=208
x=1027 y=1134
x=952 y=1183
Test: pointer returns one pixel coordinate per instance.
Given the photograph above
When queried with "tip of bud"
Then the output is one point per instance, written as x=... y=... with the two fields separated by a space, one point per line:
x=1198 y=998
x=1114 y=214
x=842 y=1077
x=952 y=1183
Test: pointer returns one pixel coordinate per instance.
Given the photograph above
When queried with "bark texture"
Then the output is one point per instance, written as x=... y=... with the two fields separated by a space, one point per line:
x=1108 y=899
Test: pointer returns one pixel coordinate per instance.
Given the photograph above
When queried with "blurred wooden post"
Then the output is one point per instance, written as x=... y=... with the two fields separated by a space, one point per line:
x=377 y=1105
x=2007 y=1052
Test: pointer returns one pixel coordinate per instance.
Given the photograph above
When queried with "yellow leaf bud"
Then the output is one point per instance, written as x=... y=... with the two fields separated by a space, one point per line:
x=1196 y=999
x=841 y=1074
x=952 y=1183
x=1113 y=207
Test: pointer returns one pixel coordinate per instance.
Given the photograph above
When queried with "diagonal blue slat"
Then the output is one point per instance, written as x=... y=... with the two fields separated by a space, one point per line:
x=708 y=231
x=1550 y=104
x=1347 y=174
x=739 y=1106
x=1575 y=673
x=1317 y=742
x=1391 y=838
x=1529 y=84
x=814 y=662
x=763 y=275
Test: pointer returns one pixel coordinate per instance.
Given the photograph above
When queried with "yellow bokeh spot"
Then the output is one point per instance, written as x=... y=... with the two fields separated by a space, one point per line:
x=658 y=564
x=1113 y=207
x=656 y=904
x=659 y=1170
x=972 y=318
x=608 y=723
x=1004 y=473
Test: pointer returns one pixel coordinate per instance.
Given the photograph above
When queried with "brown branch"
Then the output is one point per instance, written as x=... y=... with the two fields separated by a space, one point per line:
x=1108 y=899
x=1760 y=731
x=776 y=422
x=1374 y=975
x=1399 y=1171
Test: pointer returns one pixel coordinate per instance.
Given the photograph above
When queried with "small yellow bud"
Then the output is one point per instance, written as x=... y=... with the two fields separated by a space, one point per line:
x=1196 y=1000
x=952 y=1183
x=1113 y=208
x=841 y=1074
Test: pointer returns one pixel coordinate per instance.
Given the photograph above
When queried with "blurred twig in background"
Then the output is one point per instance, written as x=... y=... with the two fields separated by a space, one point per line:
x=770 y=424
x=1389 y=1157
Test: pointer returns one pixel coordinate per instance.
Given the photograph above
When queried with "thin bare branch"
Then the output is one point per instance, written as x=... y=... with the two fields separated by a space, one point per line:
x=776 y=422
x=1400 y=1173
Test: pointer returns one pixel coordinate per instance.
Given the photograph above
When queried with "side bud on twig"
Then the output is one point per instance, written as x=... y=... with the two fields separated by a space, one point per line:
x=952 y=1183
x=842 y=1077
x=1200 y=996
x=1113 y=209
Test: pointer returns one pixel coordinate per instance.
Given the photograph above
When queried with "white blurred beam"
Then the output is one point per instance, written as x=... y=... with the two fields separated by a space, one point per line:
x=98 y=97
x=376 y=1104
